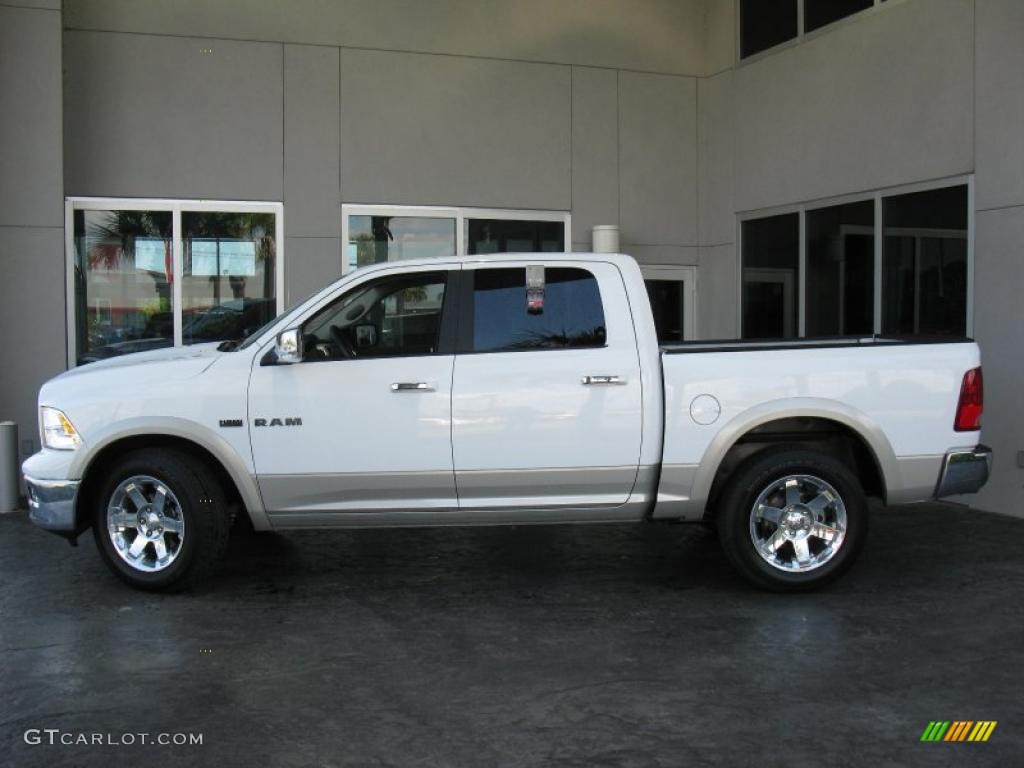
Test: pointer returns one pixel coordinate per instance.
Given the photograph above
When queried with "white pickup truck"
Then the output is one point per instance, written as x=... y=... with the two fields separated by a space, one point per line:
x=507 y=389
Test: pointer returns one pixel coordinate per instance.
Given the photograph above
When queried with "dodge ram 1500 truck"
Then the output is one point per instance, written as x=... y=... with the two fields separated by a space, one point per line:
x=506 y=389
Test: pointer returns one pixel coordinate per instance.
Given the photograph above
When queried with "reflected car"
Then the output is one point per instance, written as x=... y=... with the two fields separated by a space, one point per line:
x=231 y=321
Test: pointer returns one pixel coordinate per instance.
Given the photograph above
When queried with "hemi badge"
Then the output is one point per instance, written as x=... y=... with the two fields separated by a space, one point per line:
x=231 y=422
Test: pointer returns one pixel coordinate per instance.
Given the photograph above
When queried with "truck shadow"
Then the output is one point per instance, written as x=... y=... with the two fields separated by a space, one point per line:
x=909 y=545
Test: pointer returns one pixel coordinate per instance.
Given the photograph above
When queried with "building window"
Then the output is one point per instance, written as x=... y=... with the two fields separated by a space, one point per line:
x=840 y=269
x=147 y=274
x=764 y=24
x=771 y=263
x=911 y=277
x=379 y=233
x=229 y=274
x=375 y=239
x=924 y=258
x=514 y=236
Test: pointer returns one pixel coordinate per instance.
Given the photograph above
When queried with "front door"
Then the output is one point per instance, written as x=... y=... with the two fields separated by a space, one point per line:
x=363 y=423
x=546 y=405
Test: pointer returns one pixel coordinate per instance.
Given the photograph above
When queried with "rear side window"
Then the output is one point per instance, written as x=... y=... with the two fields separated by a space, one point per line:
x=572 y=316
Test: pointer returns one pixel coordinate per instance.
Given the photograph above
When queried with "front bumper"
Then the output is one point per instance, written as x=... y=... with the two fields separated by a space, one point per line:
x=51 y=503
x=964 y=471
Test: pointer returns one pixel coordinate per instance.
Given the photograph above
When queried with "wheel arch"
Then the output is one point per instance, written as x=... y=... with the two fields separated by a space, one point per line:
x=213 y=450
x=821 y=423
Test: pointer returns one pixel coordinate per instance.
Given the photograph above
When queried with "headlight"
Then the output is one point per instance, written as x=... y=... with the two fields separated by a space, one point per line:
x=58 y=432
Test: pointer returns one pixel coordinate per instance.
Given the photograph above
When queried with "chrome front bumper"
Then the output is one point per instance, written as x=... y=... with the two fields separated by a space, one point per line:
x=964 y=471
x=51 y=503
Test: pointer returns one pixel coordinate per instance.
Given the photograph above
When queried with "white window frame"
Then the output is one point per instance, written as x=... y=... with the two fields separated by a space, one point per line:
x=176 y=208
x=460 y=214
x=877 y=196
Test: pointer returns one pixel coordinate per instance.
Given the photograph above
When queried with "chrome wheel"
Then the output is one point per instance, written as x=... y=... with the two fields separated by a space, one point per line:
x=798 y=523
x=145 y=523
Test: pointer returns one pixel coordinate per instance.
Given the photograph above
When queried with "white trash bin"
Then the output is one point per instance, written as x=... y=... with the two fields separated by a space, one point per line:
x=9 y=486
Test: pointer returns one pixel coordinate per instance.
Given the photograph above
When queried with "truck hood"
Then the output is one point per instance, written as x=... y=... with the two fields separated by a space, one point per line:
x=121 y=377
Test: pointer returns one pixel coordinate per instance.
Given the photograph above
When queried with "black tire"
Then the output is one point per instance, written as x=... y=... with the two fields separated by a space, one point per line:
x=204 y=508
x=756 y=475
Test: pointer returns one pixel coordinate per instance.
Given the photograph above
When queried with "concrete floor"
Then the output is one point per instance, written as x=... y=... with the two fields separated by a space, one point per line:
x=572 y=646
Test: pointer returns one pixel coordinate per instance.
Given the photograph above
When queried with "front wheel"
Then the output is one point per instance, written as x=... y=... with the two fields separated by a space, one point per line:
x=161 y=520
x=792 y=519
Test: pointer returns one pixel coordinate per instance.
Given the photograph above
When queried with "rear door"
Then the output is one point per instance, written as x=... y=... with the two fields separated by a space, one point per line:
x=546 y=402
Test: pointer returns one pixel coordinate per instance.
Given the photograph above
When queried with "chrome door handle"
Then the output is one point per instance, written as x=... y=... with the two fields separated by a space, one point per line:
x=588 y=380
x=413 y=386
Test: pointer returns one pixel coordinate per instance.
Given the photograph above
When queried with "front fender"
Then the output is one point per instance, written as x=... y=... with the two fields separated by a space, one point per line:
x=236 y=466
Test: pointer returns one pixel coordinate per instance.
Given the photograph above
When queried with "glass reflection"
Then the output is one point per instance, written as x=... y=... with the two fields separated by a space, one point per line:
x=123 y=277
x=229 y=274
x=376 y=239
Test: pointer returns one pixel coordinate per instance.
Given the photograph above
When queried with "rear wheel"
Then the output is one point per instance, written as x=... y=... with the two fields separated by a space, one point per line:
x=161 y=520
x=792 y=519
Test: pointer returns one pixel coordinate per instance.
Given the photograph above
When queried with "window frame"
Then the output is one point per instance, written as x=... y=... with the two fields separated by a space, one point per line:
x=877 y=197
x=801 y=34
x=461 y=216
x=176 y=207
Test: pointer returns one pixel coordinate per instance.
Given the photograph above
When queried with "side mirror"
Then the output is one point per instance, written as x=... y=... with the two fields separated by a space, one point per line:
x=288 y=348
x=366 y=335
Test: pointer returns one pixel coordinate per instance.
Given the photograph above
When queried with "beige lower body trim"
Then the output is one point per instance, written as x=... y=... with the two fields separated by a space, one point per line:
x=540 y=488
x=918 y=479
x=503 y=497
x=674 y=489
x=289 y=494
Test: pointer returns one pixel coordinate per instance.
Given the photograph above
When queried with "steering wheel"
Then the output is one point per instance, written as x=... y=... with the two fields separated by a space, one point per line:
x=345 y=349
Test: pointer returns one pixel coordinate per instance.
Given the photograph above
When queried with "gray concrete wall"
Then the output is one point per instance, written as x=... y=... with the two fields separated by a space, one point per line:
x=645 y=35
x=31 y=208
x=151 y=111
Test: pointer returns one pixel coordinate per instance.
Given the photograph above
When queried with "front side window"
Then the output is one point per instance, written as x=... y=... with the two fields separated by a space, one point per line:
x=571 y=316
x=395 y=316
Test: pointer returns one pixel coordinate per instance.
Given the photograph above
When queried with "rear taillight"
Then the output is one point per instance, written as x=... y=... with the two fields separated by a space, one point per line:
x=972 y=397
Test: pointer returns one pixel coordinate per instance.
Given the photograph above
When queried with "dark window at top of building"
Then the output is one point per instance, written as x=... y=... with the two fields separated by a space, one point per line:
x=818 y=13
x=572 y=315
x=766 y=23
x=771 y=265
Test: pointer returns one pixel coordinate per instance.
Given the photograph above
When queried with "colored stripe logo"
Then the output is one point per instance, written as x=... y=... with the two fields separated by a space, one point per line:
x=959 y=730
